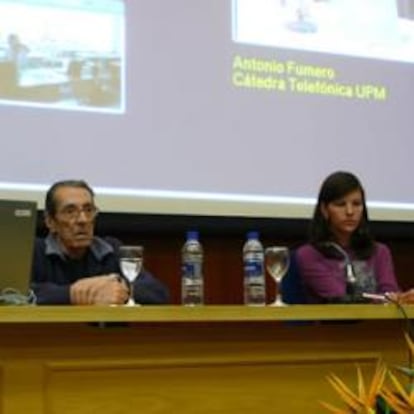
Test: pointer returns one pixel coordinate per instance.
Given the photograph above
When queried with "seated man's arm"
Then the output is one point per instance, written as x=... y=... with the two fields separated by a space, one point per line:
x=150 y=291
x=147 y=289
x=47 y=293
x=52 y=287
x=99 y=290
x=96 y=290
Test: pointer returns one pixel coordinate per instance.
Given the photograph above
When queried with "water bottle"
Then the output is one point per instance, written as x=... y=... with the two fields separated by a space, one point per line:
x=254 y=278
x=192 y=286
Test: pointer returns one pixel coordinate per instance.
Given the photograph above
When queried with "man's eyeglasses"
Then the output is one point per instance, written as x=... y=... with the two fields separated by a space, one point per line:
x=73 y=212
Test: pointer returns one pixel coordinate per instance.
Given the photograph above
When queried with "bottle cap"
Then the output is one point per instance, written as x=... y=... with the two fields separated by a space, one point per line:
x=253 y=235
x=192 y=235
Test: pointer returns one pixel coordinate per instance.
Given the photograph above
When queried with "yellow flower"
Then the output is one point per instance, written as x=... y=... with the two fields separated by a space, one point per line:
x=364 y=400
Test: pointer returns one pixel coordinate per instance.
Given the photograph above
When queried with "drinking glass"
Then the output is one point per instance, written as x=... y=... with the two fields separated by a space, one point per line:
x=130 y=262
x=277 y=263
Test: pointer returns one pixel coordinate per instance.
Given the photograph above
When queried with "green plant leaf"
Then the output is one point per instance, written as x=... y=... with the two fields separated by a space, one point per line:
x=407 y=371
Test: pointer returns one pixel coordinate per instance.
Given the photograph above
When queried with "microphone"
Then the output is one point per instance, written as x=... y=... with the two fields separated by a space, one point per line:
x=349 y=269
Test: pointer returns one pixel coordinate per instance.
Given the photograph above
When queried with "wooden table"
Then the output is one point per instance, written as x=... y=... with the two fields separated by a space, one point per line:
x=173 y=359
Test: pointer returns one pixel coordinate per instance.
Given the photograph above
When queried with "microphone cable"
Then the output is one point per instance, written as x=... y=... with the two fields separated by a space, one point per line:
x=408 y=329
x=10 y=296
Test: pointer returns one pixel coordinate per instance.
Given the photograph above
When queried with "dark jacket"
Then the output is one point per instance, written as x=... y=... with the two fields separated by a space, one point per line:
x=53 y=272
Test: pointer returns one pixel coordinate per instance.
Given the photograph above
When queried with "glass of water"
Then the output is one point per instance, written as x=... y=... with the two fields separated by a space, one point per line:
x=130 y=262
x=277 y=264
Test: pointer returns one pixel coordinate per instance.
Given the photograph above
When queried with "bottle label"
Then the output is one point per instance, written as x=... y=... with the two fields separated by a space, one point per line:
x=254 y=282
x=192 y=272
x=192 y=283
x=253 y=269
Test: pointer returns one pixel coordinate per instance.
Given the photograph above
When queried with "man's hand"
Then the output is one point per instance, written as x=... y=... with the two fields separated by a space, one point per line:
x=99 y=290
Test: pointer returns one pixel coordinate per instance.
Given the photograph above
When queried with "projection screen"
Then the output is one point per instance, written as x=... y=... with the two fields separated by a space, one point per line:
x=212 y=107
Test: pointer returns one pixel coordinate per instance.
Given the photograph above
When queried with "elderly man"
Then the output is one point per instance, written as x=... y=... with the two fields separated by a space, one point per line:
x=72 y=266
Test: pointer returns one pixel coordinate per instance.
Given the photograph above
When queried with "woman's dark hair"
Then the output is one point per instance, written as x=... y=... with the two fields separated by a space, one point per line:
x=50 y=201
x=334 y=187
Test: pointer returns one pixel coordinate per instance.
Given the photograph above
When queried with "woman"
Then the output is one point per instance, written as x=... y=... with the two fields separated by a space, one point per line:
x=342 y=261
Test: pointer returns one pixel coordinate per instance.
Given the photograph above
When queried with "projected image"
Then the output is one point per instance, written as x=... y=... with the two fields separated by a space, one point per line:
x=382 y=29
x=66 y=54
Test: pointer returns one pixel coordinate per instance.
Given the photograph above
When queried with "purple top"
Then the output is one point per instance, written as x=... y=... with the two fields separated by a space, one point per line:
x=324 y=278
